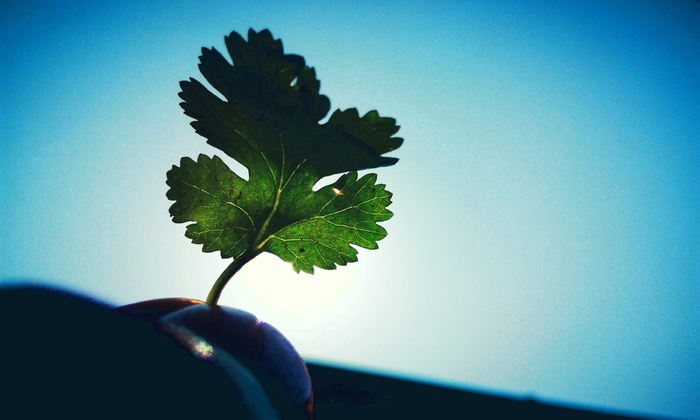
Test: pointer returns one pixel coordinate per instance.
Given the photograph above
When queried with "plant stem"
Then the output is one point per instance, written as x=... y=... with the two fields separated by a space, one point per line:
x=215 y=292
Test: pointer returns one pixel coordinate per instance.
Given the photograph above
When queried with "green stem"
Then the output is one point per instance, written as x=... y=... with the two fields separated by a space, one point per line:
x=215 y=292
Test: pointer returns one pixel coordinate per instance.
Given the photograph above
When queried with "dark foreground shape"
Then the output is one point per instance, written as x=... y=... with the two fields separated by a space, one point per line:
x=67 y=356
x=62 y=354
x=342 y=394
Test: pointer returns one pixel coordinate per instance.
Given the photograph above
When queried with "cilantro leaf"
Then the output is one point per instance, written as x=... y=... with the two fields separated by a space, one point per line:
x=269 y=121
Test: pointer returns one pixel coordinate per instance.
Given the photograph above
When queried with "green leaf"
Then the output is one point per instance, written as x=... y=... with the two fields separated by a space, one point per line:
x=269 y=121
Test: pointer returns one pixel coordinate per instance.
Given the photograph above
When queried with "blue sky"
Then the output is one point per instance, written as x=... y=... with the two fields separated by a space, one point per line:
x=545 y=241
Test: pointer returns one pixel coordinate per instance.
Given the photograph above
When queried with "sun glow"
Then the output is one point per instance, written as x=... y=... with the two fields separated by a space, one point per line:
x=270 y=283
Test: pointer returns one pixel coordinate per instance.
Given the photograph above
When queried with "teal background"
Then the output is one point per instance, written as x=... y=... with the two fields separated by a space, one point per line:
x=545 y=241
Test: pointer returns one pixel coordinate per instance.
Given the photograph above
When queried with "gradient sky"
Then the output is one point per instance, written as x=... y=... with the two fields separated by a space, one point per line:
x=546 y=240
